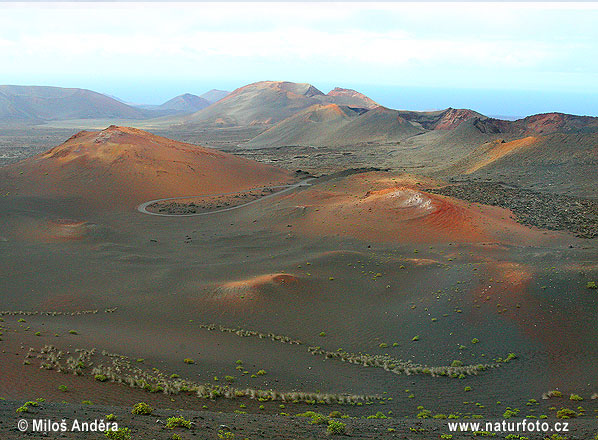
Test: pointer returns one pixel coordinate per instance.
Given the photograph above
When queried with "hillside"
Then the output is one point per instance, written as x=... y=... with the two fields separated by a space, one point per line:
x=556 y=162
x=122 y=166
x=332 y=125
x=269 y=102
x=34 y=104
x=214 y=95
x=186 y=103
x=351 y=97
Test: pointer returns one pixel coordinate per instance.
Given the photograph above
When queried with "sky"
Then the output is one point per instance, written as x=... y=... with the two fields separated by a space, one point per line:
x=509 y=59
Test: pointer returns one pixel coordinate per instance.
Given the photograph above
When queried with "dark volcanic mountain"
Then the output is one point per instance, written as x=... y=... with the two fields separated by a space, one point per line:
x=331 y=124
x=34 y=104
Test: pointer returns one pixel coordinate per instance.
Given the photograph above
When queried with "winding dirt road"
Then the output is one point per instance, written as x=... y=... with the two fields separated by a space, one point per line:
x=143 y=207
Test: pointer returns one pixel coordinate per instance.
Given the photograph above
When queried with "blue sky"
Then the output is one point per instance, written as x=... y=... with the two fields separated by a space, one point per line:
x=498 y=58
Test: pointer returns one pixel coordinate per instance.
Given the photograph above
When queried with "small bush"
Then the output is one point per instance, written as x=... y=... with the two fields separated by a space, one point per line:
x=575 y=397
x=225 y=435
x=566 y=413
x=100 y=378
x=120 y=434
x=316 y=418
x=592 y=285
x=175 y=422
x=188 y=361
x=142 y=408
x=336 y=427
x=62 y=388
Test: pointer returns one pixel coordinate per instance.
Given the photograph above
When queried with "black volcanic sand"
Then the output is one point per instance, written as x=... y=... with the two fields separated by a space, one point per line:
x=207 y=424
x=534 y=208
x=167 y=276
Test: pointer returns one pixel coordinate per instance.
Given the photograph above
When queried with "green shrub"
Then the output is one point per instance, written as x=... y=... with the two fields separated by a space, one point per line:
x=100 y=378
x=592 y=285
x=316 y=418
x=142 y=408
x=566 y=413
x=510 y=413
x=62 y=388
x=336 y=427
x=120 y=434
x=174 y=422
x=225 y=435
x=575 y=397
x=188 y=361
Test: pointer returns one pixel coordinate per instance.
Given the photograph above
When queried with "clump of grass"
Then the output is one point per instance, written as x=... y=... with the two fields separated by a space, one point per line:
x=188 y=361
x=62 y=388
x=575 y=397
x=229 y=379
x=110 y=417
x=176 y=422
x=552 y=393
x=261 y=372
x=415 y=338
x=322 y=334
x=591 y=285
x=73 y=332
x=142 y=408
x=100 y=378
x=475 y=340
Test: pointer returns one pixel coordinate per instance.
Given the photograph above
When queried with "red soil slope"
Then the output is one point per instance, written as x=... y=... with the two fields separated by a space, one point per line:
x=377 y=208
x=122 y=166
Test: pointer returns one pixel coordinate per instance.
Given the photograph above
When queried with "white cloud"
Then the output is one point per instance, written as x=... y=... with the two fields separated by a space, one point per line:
x=458 y=41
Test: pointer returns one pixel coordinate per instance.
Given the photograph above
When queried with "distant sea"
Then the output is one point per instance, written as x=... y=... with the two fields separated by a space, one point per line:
x=507 y=104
